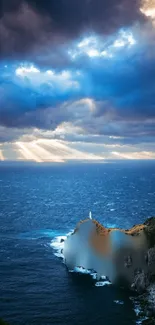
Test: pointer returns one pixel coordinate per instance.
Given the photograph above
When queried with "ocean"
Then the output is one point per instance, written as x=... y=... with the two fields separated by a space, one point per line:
x=39 y=205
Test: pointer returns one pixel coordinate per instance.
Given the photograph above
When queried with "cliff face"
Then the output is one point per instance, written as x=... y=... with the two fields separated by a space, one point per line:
x=149 y=228
x=124 y=253
x=119 y=254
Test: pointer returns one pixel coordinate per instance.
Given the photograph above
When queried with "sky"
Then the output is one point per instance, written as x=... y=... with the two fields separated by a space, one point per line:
x=77 y=80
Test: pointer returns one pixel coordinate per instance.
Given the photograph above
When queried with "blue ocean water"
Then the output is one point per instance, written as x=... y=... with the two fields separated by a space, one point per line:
x=38 y=205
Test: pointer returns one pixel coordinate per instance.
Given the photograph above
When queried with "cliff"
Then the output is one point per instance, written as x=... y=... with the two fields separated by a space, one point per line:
x=143 y=236
x=130 y=251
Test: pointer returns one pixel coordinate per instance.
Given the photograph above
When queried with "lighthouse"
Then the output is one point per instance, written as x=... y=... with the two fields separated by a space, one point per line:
x=90 y=215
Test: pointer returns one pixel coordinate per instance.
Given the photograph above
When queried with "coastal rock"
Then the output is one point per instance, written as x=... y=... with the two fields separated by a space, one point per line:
x=151 y=257
x=141 y=281
x=119 y=251
x=151 y=297
x=149 y=229
x=120 y=254
x=128 y=261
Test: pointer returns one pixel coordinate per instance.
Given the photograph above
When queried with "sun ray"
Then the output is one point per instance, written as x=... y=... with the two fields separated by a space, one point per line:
x=66 y=152
x=134 y=155
x=27 y=153
x=1 y=155
x=45 y=154
x=45 y=150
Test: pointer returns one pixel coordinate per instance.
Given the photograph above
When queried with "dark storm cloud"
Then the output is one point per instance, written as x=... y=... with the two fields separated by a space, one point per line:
x=27 y=26
x=21 y=28
x=73 y=17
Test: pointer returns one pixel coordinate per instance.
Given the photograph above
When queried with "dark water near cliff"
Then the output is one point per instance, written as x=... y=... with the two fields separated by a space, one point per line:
x=40 y=203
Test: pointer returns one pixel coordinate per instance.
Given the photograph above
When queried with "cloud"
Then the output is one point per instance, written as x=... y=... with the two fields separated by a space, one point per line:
x=30 y=97
x=134 y=155
x=20 y=26
x=120 y=105
x=81 y=71
x=29 y=25
x=43 y=150
x=148 y=9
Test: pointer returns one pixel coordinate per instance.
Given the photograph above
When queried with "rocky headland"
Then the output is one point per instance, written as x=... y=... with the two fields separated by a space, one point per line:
x=134 y=262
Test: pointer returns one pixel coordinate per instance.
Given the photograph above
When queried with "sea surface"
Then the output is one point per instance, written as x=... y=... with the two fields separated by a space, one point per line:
x=40 y=205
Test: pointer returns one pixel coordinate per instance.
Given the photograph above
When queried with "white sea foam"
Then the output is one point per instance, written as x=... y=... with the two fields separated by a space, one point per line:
x=119 y=302
x=58 y=244
x=57 y=241
x=138 y=309
x=94 y=276
x=82 y=270
x=140 y=321
x=59 y=255
x=102 y=283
